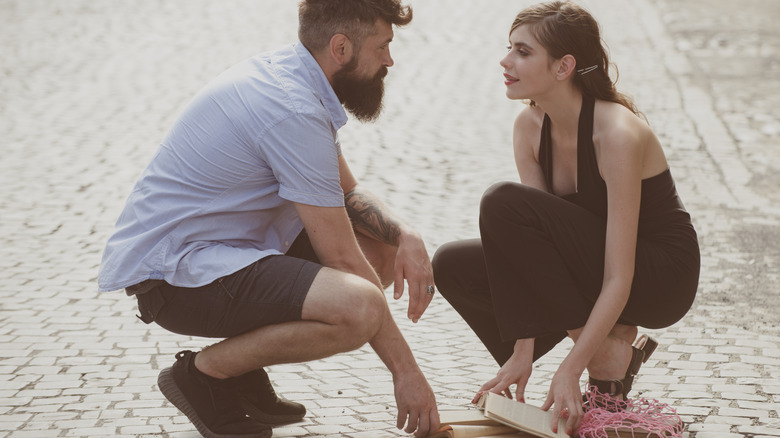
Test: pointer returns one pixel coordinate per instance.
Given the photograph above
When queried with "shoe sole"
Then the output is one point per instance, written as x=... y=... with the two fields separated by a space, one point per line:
x=261 y=417
x=172 y=392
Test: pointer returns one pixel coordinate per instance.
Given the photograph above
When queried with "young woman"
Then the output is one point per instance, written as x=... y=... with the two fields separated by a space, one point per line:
x=593 y=243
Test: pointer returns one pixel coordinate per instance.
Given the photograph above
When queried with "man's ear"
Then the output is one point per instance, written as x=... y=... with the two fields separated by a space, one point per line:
x=341 y=48
x=566 y=67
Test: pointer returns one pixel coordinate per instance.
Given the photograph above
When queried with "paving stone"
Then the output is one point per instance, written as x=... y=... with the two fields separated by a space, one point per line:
x=741 y=396
x=709 y=427
x=34 y=433
x=749 y=413
x=139 y=430
x=719 y=434
x=92 y=431
x=772 y=430
x=771 y=389
x=693 y=410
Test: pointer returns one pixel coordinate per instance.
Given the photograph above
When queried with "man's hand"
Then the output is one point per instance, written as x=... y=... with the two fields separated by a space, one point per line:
x=413 y=265
x=416 y=404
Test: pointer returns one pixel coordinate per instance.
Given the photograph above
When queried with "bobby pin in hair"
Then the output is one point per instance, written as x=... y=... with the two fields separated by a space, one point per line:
x=587 y=70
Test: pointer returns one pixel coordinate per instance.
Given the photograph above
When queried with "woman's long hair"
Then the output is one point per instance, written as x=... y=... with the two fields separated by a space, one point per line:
x=565 y=28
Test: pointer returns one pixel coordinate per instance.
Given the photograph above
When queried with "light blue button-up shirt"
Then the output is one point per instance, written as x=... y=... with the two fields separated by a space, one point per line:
x=219 y=193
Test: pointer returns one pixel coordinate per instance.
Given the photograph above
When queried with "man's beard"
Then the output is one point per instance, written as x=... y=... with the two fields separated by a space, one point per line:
x=360 y=96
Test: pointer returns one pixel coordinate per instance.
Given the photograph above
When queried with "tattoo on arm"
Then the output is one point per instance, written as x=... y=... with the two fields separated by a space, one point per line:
x=368 y=215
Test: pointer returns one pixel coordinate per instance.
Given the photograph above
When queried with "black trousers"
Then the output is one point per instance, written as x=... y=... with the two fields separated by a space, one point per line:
x=538 y=268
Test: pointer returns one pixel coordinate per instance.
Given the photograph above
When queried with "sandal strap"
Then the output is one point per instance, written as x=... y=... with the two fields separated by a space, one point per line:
x=647 y=345
x=640 y=352
x=622 y=387
x=637 y=359
x=610 y=387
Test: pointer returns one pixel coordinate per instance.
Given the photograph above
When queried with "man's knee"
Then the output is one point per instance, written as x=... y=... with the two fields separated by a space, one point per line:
x=352 y=305
x=362 y=315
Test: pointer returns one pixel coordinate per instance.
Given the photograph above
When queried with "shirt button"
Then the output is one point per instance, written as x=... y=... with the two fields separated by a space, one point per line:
x=286 y=243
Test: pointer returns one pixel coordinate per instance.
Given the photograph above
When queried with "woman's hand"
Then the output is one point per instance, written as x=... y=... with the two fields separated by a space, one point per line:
x=566 y=399
x=516 y=371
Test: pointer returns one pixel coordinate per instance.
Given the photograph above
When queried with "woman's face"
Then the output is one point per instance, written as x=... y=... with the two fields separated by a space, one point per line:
x=527 y=67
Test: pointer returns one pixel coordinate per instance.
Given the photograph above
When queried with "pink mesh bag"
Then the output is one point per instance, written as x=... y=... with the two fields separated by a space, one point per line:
x=640 y=418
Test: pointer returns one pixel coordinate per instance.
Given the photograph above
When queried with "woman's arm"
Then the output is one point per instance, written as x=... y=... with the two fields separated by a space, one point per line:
x=621 y=159
x=621 y=150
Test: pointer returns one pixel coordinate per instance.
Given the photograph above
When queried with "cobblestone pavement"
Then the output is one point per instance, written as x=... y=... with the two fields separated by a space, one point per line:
x=88 y=88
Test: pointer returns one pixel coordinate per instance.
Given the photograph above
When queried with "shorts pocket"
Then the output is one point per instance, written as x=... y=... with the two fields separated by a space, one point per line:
x=224 y=289
x=149 y=305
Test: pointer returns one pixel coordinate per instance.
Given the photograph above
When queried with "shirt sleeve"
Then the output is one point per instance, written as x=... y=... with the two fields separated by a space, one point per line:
x=302 y=152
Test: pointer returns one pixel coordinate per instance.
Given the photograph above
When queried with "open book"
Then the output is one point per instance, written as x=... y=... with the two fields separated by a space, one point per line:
x=522 y=416
x=502 y=417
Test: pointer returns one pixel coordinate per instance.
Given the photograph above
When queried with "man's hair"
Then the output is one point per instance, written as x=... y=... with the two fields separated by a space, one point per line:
x=319 y=20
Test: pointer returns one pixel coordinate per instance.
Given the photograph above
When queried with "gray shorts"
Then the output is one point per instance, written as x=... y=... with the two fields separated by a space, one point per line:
x=269 y=291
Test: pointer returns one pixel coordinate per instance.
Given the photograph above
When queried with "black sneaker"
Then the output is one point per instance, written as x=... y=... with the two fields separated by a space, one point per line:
x=208 y=402
x=259 y=400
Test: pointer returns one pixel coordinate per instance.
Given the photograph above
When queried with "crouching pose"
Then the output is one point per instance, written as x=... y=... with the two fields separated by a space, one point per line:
x=592 y=244
x=248 y=225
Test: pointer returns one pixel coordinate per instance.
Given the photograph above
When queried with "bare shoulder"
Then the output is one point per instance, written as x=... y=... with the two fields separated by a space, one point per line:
x=529 y=120
x=620 y=137
x=616 y=126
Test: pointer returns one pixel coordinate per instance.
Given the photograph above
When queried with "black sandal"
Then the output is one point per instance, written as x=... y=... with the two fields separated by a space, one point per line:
x=643 y=347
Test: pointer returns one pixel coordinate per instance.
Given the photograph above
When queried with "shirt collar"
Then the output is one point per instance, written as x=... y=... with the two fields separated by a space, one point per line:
x=322 y=87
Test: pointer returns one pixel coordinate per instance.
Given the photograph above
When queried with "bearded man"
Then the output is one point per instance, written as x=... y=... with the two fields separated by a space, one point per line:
x=248 y=225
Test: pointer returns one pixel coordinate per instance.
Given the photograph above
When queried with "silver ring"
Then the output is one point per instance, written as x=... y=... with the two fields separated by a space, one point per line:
x=430 y=290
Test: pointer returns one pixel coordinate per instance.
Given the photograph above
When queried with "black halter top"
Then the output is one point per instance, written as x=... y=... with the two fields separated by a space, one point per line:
x=661 y=210
x=591 y=189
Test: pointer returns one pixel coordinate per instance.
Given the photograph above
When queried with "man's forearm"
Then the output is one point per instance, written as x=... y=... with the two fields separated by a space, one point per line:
x=390 y=345
x=371 y=217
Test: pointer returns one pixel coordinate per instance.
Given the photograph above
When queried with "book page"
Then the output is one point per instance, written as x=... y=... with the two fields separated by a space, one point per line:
x=466 y=416
x=523 y=416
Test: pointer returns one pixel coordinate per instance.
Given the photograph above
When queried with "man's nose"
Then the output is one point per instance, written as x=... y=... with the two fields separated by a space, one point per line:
x=389 y=59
